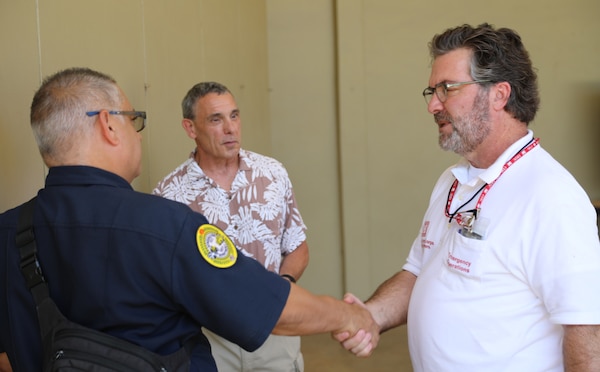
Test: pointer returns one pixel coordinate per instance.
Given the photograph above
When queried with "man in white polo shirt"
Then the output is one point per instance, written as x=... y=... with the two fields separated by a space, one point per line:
x=505 y=273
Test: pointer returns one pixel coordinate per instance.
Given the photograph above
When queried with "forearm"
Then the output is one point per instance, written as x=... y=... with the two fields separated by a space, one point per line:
x=389 y=303
x=306 y=313
x=294 y=263
x=581 y=348
x=4 y=363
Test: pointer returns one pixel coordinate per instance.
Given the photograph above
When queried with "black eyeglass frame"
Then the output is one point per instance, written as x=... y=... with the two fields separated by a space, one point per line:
x=442 y=94
x=134 y=116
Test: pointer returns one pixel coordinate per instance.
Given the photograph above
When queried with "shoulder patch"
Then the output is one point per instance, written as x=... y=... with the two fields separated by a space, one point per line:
x=216 y=247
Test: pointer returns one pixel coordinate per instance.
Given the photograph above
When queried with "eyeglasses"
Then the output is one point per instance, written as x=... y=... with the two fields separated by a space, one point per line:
x=441 y=89
x=138 y=117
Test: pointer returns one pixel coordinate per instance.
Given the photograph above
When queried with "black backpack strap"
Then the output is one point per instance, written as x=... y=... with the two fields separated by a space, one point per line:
x=30 y=266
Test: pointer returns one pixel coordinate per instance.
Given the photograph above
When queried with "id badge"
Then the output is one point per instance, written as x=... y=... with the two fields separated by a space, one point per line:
x=475 y=228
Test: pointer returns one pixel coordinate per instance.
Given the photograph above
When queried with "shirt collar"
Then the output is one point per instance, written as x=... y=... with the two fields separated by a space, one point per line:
x=194 y=167
x=461 y=169
x=84 y=176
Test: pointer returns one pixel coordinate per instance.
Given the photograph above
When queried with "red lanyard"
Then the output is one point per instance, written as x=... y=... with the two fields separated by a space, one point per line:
x=485 y=188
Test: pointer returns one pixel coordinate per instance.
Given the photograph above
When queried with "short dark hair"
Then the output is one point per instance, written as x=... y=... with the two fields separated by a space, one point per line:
x=498 y=55
x=198 y=91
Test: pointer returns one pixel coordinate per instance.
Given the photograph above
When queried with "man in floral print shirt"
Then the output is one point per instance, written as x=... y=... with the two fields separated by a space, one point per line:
x=250 y=197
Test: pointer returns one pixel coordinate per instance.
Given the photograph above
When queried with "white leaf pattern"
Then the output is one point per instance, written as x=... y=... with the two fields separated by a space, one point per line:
x=264 y=227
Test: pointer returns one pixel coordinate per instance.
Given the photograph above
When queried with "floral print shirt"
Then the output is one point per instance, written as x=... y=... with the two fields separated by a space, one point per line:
x=259 y=213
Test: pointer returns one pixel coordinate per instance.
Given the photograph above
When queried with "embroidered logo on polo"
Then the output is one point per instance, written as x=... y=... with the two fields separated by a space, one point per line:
x=215 y=247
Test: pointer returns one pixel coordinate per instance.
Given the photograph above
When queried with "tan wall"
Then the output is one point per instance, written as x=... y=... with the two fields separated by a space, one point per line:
x=304 y=126
x=330 y=88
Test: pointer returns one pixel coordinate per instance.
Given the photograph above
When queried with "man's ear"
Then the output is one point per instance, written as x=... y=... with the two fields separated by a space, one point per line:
x=501 y=94
x=188 y=126
x=107 y=129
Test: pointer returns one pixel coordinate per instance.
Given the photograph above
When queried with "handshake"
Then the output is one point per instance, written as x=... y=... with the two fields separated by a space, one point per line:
x=356 y=325
x=351 y=322
x=364 y=337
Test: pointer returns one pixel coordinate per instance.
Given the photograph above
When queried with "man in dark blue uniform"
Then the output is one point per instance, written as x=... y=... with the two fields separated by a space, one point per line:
x=140 y=267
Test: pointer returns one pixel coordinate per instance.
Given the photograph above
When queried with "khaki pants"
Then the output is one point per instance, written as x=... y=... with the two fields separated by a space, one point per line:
x=277 y=354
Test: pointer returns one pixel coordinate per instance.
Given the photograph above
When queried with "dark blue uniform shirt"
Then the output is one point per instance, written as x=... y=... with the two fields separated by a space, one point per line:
x=128 y=264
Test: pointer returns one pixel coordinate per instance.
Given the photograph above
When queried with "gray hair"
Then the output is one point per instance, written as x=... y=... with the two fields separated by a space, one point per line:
x=498 y=55
x=198 y=91
x=58 y=110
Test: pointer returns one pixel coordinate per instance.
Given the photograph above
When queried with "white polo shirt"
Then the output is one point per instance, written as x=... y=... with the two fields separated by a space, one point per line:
x=498 y=303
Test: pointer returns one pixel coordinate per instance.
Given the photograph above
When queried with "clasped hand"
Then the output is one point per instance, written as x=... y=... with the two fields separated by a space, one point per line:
x=365 y=340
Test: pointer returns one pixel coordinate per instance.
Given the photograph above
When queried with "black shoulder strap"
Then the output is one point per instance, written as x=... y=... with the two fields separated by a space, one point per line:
x=30 y=266
x=48 y=313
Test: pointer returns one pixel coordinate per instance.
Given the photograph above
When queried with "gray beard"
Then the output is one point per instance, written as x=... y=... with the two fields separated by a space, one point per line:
x=470 y=130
